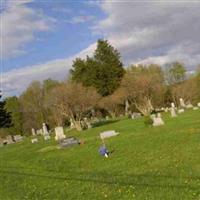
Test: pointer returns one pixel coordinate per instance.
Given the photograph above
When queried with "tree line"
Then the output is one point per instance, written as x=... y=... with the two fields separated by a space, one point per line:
x=100 y=86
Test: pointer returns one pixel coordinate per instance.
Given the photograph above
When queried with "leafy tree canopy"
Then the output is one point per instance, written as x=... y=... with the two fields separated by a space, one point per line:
x=103 y=71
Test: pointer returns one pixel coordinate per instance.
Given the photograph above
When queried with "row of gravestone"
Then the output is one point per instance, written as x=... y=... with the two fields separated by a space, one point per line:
x=59 y=133
x=157 y=119
x=11 y=139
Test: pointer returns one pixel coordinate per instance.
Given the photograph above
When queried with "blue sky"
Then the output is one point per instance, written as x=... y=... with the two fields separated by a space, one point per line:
x=66 y=38
x=41 y=38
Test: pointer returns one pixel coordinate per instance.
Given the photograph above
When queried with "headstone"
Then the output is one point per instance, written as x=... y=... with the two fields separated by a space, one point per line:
x=173 y=112
x=45 y=130
x=107 y=117
x=107 y=134
x=198 y=104
x=172 y=105
x=189 y=105
x=39 y=132
x=181 y=111
x=87 y=122
x=195 y=108
x=159 y=115
x=34 y=140
x=33 y=132
x=182 y=103
x=59 y=131
x=157 y=121
x=68 y=142
x=8 y=140
x=18 y=138
x=47 y=137
x=136 y=115
x=166 y=110
x=72 y=125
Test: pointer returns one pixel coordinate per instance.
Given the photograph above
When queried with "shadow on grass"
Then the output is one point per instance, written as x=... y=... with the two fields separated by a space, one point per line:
x=145 y=180
x=104 y=122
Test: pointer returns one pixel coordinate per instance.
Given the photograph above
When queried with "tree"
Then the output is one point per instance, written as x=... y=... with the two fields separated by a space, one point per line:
x=13 y=107
x=32 y=104
x=176 y=73
x=188 y=90
x=5 y=117
x=143 y=87
x=103 y=71
x=73 y=100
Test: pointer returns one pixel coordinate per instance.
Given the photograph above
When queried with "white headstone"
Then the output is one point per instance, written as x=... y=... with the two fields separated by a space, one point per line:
x=33 y=131
x=181 y=111
x=182 y=103
x=39 y=132
x=189 y=105
x=195 y=108
x=47 y=137
x=45 y=131
x=173 y=112
x=198 y=104
x=157 y=121
x=172 y=105
x=34 y=140
x=72 y=125
x=166 y=109
x=59 y=131
x=107 y=134
x=18 y=138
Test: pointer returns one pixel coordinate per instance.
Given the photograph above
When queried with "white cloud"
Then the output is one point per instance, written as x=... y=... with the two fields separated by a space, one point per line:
x=81 y=19
x=16 y=80
x=153 y=31
x=19 y=23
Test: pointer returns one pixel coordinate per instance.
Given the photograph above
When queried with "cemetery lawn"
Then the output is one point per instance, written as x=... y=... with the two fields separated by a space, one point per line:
x=152 y=163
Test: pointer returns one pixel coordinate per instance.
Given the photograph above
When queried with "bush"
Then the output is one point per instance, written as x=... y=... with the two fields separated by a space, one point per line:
x=148 y=121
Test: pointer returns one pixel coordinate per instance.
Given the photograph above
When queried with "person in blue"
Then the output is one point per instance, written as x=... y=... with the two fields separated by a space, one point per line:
x=103 y=151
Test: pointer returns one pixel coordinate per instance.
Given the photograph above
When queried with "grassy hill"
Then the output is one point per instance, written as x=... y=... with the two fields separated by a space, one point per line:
x=146 y=163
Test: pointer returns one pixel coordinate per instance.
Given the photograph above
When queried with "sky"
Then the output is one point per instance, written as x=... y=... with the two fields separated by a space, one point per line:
x=41 y=38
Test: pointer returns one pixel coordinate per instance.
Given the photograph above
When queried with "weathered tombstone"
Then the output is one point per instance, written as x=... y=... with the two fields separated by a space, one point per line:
x=45 y=130
x=107 y=117
x=34 y=140
x=189 y=105
x=47 y=137
x=172 y=105
x=107 y=134
x=182 y=103
x=198 y=104
x=173 y=112
x=159 y=115
x=72 y=125
x=59 y=131
x=8 y=140
x=136 y=115
x=166 y=109
x=195 y=108
x=18 y=138
x=181 y=111
x=87 y=122
x=33 y=132
x=68 y=142
x=157 y=121
x=39 y=132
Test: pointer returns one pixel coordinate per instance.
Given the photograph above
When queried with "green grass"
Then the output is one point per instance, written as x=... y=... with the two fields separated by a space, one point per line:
x=155 y=163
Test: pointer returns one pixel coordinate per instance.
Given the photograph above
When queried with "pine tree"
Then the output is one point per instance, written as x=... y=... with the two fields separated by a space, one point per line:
x=5 y=118
x=103 y=71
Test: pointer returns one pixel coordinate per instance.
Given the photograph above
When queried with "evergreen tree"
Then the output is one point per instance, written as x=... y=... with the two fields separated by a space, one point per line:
x=5 y=118
x=103 y=71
